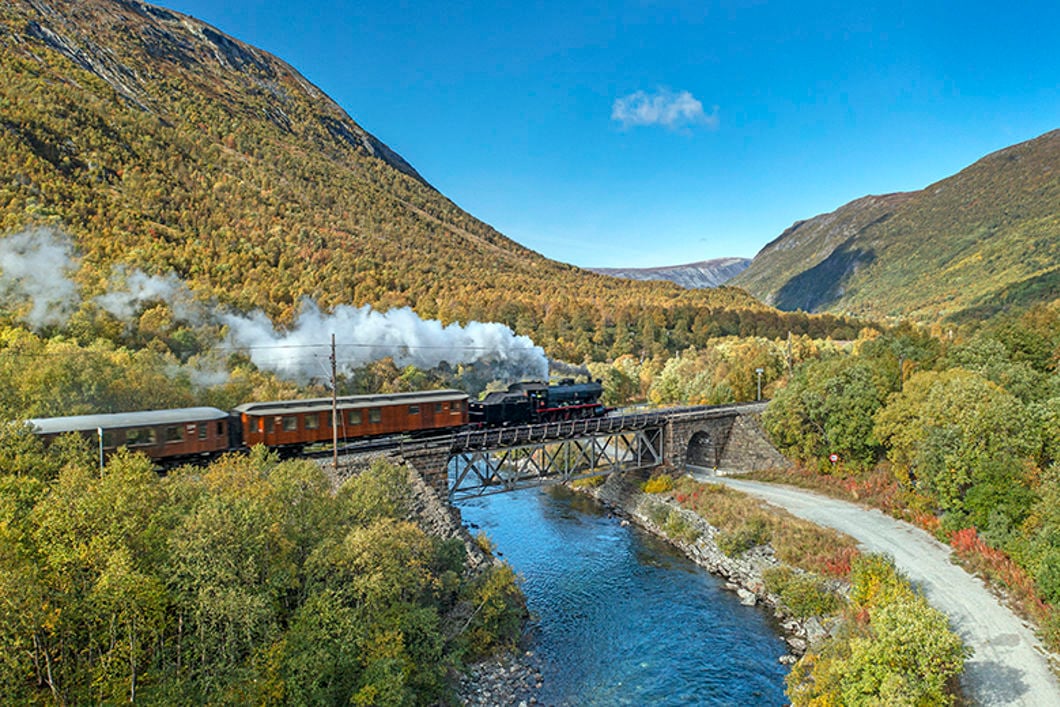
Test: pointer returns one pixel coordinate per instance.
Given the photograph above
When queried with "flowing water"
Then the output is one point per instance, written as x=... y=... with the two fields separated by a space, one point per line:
x=620 y=618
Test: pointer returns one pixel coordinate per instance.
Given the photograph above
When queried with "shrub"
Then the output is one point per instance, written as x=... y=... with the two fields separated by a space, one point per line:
x=657 y=513
x=803 y=594
x=660 y=483
x=909 y=658
x=895 y=649
x=875 y=581
x=498 y=614
x=589 y=482
x=750 y=533
x=678 y=527
x=484 y=543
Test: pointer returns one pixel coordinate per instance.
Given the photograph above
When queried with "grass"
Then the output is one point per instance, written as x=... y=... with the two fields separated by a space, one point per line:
x=877 y=488
x=743 y=522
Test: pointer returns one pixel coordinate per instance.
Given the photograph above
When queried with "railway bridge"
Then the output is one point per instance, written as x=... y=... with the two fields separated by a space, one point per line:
x=487 y=461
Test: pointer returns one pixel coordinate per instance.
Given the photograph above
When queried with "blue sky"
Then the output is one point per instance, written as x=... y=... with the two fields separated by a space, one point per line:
x=656 y=133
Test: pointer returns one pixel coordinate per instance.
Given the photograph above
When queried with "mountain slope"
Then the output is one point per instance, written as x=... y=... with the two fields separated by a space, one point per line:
x=982 y=240
x=705 y=273
x=160 y=143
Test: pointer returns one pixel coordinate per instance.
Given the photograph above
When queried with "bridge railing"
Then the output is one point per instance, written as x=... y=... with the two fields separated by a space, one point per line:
x=500 y=437
x=543 y=432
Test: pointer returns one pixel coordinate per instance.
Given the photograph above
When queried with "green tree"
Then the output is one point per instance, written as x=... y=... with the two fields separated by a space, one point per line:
x=947 y=431
x=229 y=568
x=894 y=648
x=828 y=407
x=908 y=658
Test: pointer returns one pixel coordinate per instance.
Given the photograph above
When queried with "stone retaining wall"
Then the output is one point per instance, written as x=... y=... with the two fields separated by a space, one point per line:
x=748 y=448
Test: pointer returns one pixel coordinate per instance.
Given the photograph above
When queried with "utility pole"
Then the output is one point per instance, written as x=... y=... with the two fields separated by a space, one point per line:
x=334 y=412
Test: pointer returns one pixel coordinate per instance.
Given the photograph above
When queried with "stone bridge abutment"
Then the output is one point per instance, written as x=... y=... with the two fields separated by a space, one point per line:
x=721 y=440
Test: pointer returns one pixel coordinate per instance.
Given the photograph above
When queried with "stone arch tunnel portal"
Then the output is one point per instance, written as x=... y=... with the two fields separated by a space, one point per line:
x=702 y=451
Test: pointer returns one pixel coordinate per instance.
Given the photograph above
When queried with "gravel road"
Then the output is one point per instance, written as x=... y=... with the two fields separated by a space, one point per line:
x=1008 y=667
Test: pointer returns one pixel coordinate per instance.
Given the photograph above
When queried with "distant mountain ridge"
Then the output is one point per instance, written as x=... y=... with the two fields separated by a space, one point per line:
x=971 y=245
x=704 y=274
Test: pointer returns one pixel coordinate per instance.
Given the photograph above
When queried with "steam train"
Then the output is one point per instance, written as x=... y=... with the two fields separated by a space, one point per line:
x=171 y=437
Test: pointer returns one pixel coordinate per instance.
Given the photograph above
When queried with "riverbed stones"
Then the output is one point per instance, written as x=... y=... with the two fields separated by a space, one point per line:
x=747 y=597
x=510 y=679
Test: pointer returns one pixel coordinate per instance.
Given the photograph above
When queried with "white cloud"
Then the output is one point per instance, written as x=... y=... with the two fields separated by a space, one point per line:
x=670 y=109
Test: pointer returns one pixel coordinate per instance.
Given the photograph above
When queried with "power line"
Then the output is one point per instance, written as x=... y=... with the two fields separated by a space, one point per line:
x=399 y=348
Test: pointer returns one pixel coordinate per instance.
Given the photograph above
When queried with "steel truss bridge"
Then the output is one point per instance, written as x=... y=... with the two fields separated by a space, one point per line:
x=480 y=462
x=485 y=462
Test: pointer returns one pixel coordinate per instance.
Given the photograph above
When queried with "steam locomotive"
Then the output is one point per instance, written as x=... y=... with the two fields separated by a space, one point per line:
x=172 y=437
x=532 y=402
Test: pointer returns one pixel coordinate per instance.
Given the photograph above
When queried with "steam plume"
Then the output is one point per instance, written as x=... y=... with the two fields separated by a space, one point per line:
x=563 y=368
x=36 y=265
x=141 y=288
x=34 y=268
x=363 y=335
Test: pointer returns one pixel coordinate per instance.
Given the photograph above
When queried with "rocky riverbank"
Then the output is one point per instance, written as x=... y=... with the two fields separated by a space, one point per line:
x=621 y=495
x=515 y=679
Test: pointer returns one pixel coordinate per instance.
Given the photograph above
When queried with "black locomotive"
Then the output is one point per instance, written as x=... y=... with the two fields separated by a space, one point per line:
x=535 y=401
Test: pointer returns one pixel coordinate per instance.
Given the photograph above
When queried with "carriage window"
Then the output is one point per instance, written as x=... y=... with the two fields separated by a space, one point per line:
x=458 y=405
x=140 y=436
x=414 y=409
x=203 y=429
x=220 y=429
x=174 y=434
x=437 y=408
x=269 y=425
x=353 y=417
x=290 y=423
x=110 y=438
x=375 y=415
x=312 y=422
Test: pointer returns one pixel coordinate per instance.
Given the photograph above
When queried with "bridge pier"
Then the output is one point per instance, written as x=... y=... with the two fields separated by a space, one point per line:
x=748 y=448
x=432 y=464
x=697 y=441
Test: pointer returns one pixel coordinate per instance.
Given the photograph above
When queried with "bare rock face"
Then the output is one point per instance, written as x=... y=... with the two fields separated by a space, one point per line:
x=133 y=46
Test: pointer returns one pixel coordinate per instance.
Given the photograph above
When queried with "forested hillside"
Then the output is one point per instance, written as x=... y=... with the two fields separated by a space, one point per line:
x=160 y=143
x=968 y=247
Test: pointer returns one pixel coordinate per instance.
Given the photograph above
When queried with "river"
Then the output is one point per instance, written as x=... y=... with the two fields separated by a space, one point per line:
x=619 y=616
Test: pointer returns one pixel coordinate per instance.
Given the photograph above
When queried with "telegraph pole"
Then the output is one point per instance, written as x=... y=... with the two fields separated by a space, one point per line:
x=334 y=412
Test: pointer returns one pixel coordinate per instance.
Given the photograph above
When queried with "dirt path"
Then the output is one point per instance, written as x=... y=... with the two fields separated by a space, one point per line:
x=1008 y=666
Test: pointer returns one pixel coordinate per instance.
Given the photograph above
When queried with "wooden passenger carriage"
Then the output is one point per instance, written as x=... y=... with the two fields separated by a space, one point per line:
x=297 y=423
x=167 y=436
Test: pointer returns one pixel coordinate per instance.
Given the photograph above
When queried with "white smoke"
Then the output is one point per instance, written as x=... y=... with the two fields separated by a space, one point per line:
x=139 y=289
x=34 y=269
x=363 y=335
